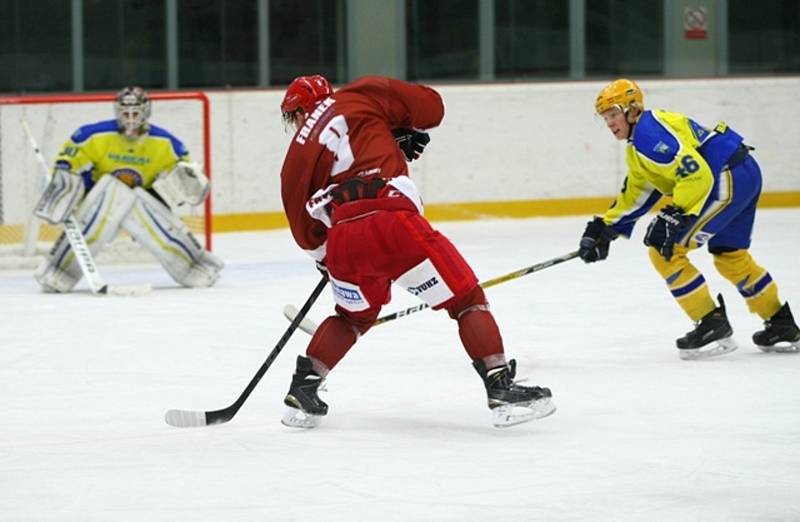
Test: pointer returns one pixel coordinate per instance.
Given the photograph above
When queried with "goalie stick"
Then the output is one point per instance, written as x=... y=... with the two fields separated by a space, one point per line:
x=77 y=241
x=189 y=418
x=309 y=326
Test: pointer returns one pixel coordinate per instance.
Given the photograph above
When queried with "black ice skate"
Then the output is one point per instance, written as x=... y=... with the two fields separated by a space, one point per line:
x=304 y=407
x=510 y=402
x=712 y=328
x=780 y=333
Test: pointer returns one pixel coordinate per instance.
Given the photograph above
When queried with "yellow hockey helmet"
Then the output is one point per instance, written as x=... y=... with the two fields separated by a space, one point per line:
x=620 y=93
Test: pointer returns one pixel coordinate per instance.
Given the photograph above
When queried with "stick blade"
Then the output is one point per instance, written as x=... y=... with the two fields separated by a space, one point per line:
x=307 y=325
x=185 y=418
x=127 y=291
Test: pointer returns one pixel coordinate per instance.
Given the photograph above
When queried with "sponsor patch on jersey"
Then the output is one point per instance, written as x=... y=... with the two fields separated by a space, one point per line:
x=348 y=296
x=130 y=177
x=128 y=158
x=700 y=132
x=661 y=148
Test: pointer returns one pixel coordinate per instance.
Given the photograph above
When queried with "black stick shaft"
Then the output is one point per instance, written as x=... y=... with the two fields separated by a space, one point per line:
x=226 y=414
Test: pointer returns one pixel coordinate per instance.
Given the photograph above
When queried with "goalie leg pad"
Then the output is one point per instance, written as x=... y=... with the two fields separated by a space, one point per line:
x=99 y=216
x=59 y=271
x=168 y=238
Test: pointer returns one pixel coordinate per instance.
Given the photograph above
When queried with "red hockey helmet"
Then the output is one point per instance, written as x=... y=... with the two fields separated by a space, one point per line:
x=305 y=92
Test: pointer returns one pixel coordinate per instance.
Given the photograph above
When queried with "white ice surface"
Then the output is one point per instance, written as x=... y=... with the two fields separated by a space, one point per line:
x=639 y=434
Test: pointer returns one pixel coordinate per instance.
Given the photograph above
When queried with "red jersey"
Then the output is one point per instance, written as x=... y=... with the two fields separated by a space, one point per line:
x=349 y=135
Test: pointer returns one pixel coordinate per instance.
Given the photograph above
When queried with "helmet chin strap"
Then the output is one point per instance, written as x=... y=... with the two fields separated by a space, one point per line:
x=631 y=125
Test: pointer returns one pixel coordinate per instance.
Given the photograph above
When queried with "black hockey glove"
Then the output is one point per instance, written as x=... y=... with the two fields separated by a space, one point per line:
x=664 y=230
x=595 y=241
x=323 y=268
x=411 y=142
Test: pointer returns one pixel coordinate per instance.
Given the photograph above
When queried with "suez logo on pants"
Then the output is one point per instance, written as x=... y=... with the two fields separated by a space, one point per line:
x=427 y=285
x=422 y=281
x=425 y=282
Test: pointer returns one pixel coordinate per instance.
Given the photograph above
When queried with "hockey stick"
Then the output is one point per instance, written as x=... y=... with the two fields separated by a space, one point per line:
x=189 y=418
x=78 y=242
x=308 y=326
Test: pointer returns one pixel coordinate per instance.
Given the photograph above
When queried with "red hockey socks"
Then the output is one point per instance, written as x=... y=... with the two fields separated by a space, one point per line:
x=331 y=342
x=481 y=336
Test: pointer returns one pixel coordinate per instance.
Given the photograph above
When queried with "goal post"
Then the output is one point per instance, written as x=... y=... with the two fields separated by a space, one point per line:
x=53 y=118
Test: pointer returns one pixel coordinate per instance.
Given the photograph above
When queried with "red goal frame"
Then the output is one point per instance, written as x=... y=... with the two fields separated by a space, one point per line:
x=83 y=98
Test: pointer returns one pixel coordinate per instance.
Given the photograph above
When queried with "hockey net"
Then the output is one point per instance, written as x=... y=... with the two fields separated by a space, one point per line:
x=52 y=120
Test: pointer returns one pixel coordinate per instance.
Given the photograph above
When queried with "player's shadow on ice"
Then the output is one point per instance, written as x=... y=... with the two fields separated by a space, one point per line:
x=423 y=428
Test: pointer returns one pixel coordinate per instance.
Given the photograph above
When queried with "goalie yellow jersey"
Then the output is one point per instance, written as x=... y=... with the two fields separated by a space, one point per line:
x=670 y=154
x=99 y=149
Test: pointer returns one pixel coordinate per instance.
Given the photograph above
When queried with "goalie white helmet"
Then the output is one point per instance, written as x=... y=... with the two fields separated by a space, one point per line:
x=132 y=109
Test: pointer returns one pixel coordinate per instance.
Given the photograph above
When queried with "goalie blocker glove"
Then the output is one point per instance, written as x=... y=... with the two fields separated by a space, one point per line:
x=61 y=196
x=412 y=143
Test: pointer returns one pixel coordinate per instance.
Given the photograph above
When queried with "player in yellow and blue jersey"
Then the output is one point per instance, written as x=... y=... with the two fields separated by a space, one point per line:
x=715 y=184
x=131 y=173
x=129 y=147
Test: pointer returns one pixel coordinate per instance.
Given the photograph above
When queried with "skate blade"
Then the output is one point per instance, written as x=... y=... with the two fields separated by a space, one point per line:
x=295 y=418
x=789 y=347
x=721 y=347
x=509 y=415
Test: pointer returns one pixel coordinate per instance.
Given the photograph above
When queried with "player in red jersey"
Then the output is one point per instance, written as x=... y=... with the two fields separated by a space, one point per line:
x=352 y=206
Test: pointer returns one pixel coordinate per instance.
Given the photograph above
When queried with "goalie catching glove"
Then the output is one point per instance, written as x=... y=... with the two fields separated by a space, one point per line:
x=60 y=197
x=184 y=184
x=412 y=143
x=663 y=231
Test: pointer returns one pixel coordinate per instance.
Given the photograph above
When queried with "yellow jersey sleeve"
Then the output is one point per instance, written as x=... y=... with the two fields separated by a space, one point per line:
x=635 y=199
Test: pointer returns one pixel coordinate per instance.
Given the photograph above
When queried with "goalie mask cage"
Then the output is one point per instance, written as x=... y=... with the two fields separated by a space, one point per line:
x=53 y=119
